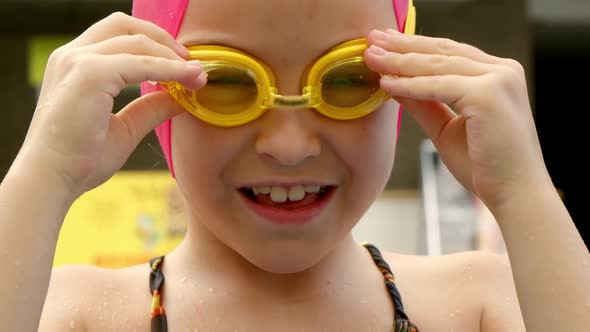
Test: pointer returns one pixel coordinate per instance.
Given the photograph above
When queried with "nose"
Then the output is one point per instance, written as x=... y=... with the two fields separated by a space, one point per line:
x=288 y=136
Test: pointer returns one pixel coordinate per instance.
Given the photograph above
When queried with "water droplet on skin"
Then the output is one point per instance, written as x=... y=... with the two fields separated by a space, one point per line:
x=183 y=280
x=18 y=262
x=210 y=289
x=72 y=324
x=531 y=238
x=452 y=315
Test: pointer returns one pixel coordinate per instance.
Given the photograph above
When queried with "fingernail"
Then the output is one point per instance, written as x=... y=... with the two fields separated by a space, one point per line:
x=183 y=51
x=194 y=63
x=202 y=78
x=388 y=78
x=377 y=50
x=379 y=35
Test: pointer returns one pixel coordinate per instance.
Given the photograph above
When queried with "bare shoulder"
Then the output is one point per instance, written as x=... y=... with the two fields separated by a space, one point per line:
x=87 y=298
x=471 y=291
x=463 y=263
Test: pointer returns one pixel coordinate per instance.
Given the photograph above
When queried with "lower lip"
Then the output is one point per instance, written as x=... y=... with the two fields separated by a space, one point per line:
x=298 y=216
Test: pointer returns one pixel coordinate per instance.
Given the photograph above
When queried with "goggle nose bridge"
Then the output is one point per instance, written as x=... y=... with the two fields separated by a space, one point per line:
x=306 y=100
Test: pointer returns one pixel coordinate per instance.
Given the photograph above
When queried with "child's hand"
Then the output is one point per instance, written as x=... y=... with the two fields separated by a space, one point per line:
x=73 y=135
x=490 y=144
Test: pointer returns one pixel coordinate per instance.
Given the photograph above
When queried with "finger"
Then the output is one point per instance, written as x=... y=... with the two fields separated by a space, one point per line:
x=432 y=116
x=446 y=89
x=418 y=64
x=122 y=24
x=131 y=44
x=401 y=43
x=132 y=69
x=145 y=113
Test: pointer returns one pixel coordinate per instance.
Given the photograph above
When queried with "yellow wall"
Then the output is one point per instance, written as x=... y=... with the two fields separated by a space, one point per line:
x=126 y=221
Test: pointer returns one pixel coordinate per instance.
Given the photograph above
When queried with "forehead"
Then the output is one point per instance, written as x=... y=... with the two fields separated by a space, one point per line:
x=283 y=30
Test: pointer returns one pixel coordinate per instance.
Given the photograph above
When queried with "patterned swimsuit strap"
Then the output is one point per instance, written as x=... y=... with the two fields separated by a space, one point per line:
x=158 y=314
x=402 y=323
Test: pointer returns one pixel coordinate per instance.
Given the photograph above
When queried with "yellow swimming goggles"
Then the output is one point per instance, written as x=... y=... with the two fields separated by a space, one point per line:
x=240 y=88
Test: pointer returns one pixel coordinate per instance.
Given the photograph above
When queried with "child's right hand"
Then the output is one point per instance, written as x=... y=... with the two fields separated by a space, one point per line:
x=74 y=136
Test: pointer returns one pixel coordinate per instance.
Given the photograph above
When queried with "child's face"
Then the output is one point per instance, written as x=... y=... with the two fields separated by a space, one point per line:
x=283 y=146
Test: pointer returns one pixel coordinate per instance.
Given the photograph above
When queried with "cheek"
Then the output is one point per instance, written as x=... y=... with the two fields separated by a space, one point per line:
x=368 y=151
x=372 y=145
x=198 y=162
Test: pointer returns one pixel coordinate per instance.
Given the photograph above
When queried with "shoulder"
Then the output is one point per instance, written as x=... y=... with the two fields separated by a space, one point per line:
x=470 y=271
x=80 y=295
x=473 y=266
x=476 y=283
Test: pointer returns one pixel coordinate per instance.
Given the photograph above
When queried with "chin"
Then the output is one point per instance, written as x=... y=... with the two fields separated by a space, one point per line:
x=284 y=257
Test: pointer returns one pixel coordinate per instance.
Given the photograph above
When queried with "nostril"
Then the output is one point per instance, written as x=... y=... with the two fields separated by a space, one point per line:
x=288 y=145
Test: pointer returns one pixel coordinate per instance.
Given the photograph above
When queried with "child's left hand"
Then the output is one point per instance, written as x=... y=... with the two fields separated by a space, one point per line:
x=473 y=106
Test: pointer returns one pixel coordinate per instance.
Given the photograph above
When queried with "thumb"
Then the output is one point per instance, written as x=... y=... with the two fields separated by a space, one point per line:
x=432 y=116
x=147 y=112
x=447 y=132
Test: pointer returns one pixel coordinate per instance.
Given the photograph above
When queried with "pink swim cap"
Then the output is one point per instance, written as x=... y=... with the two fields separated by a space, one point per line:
x=169 y=14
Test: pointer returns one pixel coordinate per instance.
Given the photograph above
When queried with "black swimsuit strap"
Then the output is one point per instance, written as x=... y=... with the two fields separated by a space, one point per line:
x=402 y=323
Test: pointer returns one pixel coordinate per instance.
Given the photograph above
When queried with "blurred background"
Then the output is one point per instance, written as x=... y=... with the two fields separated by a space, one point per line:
x=423 y=211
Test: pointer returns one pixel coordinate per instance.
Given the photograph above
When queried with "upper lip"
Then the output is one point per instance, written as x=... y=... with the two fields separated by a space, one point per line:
x=288 y=183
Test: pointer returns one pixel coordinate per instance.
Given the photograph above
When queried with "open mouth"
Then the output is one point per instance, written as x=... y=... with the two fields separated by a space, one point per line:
x=298 y=197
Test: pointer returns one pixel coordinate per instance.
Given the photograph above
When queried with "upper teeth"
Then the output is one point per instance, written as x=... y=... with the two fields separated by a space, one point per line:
x=281 y=194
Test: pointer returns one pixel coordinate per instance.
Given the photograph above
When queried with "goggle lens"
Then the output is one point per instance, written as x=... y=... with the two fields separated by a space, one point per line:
x=229 y=90
x=349 y=85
